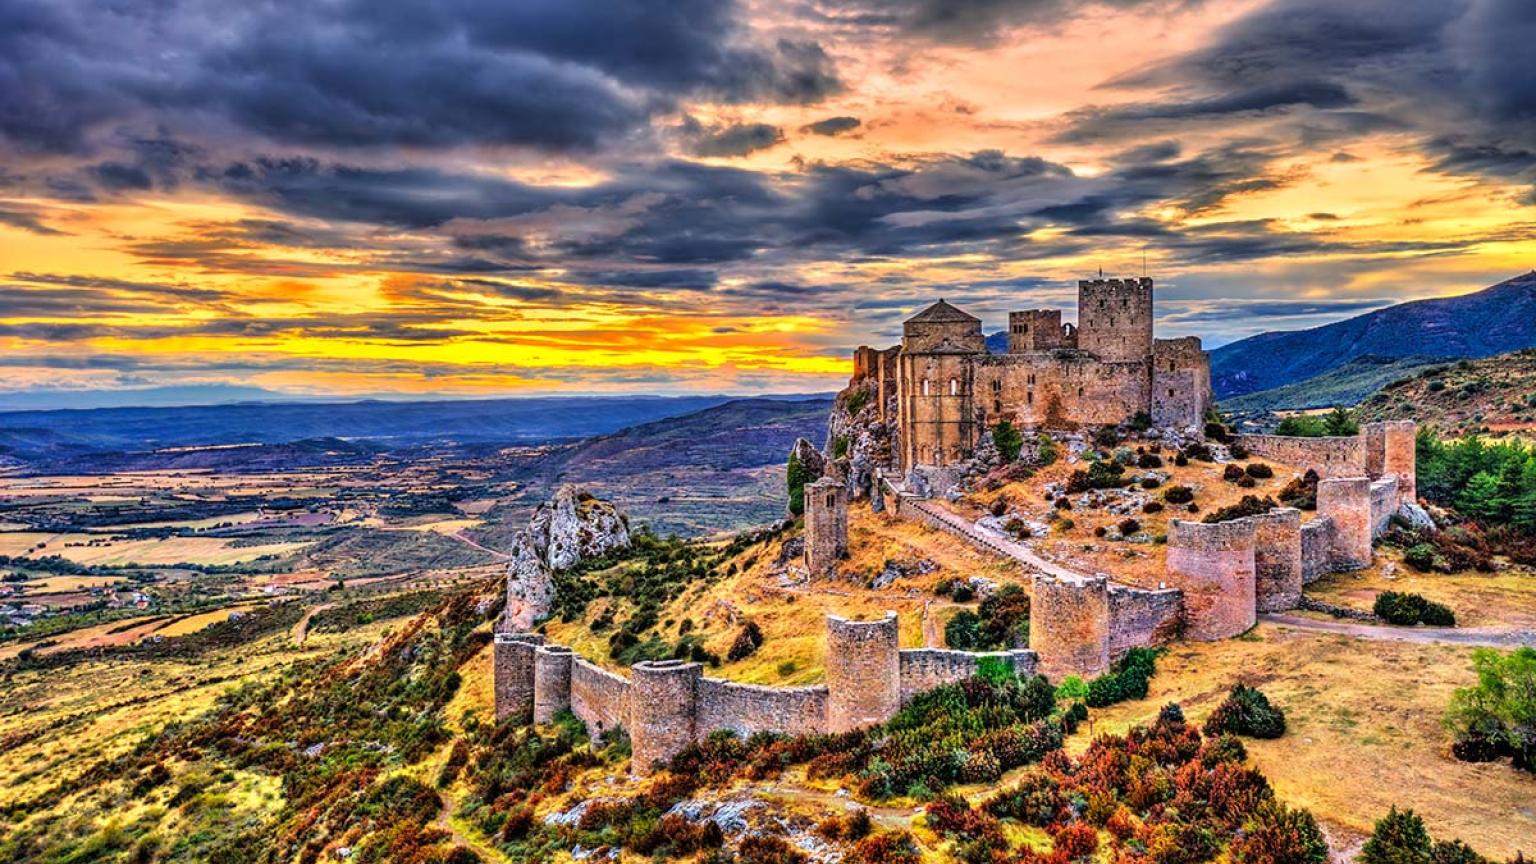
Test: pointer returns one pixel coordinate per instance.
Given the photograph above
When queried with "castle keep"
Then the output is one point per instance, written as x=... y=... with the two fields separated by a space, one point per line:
x=1106 y=370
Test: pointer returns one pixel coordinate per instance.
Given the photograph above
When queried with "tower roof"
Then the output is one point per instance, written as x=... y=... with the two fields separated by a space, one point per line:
x=942 y=312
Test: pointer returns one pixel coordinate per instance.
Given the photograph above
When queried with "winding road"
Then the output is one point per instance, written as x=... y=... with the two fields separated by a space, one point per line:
x=1480 y=636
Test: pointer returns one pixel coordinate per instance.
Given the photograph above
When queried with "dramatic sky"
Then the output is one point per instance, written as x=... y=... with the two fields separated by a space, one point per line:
x=466 y=197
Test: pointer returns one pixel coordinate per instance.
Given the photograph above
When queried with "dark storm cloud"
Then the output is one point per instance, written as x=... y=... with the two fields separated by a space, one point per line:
x=963 y=21
x=552 y=74
x=831 y=126
x=738 y=140
x=1452 y=71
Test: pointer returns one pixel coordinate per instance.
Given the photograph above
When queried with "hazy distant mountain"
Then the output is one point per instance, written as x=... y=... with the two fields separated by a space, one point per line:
x=1492 y=321
x=1344 y=385
x=41 y=436
x=147 y=397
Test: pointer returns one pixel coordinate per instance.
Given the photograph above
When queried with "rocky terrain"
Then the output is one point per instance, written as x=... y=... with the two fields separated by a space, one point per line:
x=572 y=527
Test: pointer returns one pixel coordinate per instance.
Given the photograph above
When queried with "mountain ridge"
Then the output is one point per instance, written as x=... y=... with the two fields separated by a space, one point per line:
x=1495 y=320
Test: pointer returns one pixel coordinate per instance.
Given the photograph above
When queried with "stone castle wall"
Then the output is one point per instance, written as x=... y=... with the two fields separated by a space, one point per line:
x=747 y=709
x=1346 y=502
x=1384 y=502
x=863 y=671
x=1139 y=617
x=598 y=697
x=1181 y=382
x=1329 y=457
x=1316 y=549
x=512 y=672
x=667 y=704
x=1277 y=559
x=926 y=668
x=1213 y=564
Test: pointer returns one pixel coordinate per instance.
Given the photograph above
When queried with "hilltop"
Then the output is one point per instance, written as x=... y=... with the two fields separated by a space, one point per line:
x=1488 y=322
x=1496 y=394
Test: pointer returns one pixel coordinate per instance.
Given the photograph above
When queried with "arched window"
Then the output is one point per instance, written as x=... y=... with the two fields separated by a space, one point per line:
x=925 y=386
x=954 y=387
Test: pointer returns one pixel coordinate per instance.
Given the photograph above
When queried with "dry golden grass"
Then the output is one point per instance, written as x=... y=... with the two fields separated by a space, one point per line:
x=792 y=613
x=1133 y=563
x=1363 y=734
x=1506 y=598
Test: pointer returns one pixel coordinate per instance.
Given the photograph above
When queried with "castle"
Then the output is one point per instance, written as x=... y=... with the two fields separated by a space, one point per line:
x=1106 y=370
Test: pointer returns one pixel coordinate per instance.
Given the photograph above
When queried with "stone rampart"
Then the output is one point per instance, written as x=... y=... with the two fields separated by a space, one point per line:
x=1329 y=457
x=512 y=671
x=1384 y=502
x=599 y=697
x=1346 y=502
x=926 y=668
x=1316 y=549
x=863 y=671
x=1277 y=559
x=1139 y=617
x=747 y=709
x=1069 y=625
x=551 y=681
x=1213 y=564
x=663 y=710
x=1392 y=451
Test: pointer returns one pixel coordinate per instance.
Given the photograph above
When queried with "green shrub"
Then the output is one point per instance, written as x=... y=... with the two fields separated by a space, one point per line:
x=1008 y=440
x=1251 y=505
x=1399 y=838
x=1246 y=711
x=963 y=632
x=1178 y=494
x=795 y=477
x=1405 y=610
x=1107 y=474
x=1127 y=680
x=1497 y=716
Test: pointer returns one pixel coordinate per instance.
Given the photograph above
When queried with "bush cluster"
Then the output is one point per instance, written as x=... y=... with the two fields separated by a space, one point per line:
x=1178 y=494
x=1405 y=610
x=1400 y=838
x=1301 y=492
x=1251 y=505
x=1246 y=711
x=748 y=640
x=1127 y=680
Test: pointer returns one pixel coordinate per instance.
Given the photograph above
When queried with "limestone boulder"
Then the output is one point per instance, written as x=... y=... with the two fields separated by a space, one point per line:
x=574 y=526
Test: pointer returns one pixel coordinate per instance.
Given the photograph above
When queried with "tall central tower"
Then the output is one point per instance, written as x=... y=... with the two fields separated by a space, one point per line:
x=1114 y=319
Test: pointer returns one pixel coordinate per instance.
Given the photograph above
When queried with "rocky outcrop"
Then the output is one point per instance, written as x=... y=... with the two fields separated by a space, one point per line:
x=574 y=526
x=858 y=441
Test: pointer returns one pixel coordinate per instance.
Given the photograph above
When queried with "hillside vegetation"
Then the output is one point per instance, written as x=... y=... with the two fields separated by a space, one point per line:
x=1496 y=395
x=1346 y=385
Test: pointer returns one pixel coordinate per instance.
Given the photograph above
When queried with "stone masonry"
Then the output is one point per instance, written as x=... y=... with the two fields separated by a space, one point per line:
x=826 y=526
x=863 y=672
x=666 y=705
x=512 y=662
x=1214 y=565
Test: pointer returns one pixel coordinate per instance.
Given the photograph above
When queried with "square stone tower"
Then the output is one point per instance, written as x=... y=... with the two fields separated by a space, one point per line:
x=1114 y=319
x=826 y=526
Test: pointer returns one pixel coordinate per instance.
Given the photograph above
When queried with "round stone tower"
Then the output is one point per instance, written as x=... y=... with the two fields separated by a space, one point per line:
x=1277 y=559
x=1069 y=625
x=551 y=681
x=863 y=672
x=512 y=672
x=663 y=700
x=1213 y=564
x=1346 y=501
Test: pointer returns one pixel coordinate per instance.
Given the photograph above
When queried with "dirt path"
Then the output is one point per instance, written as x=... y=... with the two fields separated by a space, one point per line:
x=500 y=556
x=300 y=630
x=1483 y=636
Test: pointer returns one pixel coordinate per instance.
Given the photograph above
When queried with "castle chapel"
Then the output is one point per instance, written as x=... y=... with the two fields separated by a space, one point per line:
x=1105 y=370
